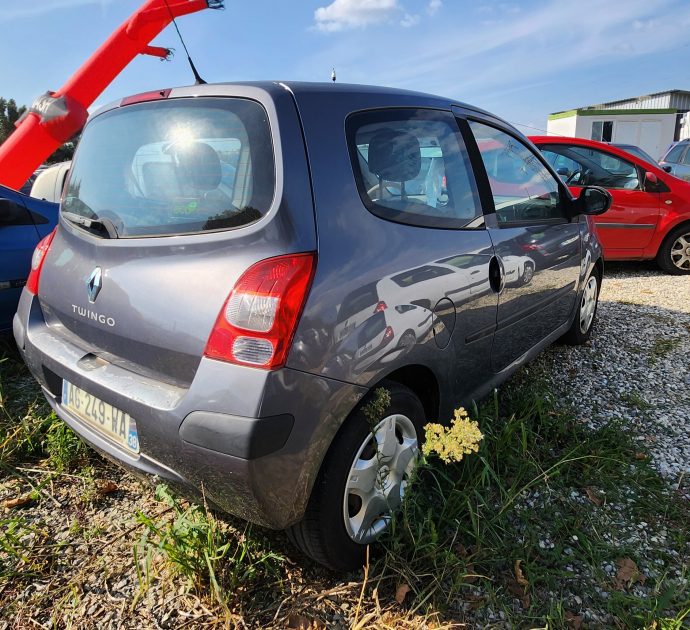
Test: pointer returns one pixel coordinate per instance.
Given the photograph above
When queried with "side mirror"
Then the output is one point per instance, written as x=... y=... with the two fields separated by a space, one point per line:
x=593 y=200
x=651 y=182
x=668 y=168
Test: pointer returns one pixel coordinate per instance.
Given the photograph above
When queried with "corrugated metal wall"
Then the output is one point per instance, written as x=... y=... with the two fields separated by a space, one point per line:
x=664 y=100
x=680 y=101
x=657 y=101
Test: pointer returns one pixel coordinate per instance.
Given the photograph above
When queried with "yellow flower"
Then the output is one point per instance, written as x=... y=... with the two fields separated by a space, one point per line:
x=452 y=443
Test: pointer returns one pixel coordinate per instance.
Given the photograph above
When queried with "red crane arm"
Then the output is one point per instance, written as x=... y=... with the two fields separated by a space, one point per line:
x=56 y=116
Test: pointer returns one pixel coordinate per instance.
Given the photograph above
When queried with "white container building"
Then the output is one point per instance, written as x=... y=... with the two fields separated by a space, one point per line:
x=650 y=122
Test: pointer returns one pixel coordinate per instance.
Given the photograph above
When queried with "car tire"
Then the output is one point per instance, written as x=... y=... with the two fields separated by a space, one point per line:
x=674 y=253
x=325 y=533
x=581 y=328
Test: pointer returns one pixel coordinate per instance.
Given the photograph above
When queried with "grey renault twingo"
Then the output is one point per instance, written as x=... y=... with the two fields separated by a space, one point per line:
x=237 y=267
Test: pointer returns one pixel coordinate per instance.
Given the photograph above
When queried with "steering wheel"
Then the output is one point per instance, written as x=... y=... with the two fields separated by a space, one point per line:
x=574 y=175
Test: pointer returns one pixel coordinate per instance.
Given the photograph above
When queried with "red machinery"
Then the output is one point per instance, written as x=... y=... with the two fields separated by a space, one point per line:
x=56 y=116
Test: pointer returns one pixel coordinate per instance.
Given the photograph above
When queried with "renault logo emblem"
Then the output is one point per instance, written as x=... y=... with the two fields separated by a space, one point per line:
x=94 y=283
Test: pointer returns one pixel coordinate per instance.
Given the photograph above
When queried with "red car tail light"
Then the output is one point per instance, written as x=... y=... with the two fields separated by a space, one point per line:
x=381 y=306
x=258 y=320
x=37 y=263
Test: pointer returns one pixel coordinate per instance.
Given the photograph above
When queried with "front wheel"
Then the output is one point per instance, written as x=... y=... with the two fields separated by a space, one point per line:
x=581 y=328
x=528 y=273
x=674 y=253
x=361 y=483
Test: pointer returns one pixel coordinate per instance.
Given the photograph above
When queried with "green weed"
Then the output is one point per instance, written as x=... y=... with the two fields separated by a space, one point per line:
x=524 y=500
x=635 y=400
x=63 y=447
x=199 y=547
x=22 y=555
x=25 y=417
x=662 y=347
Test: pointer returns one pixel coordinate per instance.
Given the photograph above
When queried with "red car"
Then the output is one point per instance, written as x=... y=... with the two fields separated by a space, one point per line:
x=650 y=214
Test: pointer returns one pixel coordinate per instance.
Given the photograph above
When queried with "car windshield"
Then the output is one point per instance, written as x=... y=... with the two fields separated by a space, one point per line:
x=174 y=167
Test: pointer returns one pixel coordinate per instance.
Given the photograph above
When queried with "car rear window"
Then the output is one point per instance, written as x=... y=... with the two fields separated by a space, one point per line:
x=358 y=300
x=674 y=154
x=174 y=167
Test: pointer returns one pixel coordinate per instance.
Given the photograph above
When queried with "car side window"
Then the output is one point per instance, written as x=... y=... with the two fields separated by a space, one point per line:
x=686 y=157
x=564 y=166
x=673 y=156
x=597 y=168
x=13 y=213
x=523 y=189
x=411 y=166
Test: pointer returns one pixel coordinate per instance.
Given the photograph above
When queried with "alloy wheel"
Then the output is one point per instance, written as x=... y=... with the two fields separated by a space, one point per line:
x=588 y=304
x=527 y=274
x=680 y=252
x=378 y=477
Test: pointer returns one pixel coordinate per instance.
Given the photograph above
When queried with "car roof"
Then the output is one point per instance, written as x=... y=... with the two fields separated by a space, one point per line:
x=312 y=89
x=592 y=144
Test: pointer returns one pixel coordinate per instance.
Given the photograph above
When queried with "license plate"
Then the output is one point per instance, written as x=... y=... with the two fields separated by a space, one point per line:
x=104 y=418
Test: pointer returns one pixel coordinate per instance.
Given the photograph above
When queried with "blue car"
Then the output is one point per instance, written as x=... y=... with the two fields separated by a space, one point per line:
x=23 y=222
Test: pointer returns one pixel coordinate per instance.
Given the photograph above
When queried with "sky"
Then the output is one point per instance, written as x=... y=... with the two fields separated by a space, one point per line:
x=520 y=60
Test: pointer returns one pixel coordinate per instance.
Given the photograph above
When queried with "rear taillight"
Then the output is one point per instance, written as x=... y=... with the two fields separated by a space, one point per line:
x=259 y=318
x=37 y=263
x=387 y=336
x=381 y=306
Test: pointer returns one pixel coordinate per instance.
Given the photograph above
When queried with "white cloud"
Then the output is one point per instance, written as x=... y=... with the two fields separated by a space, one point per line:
x=46 y=6
x=519 y=47
x=639 y=25
x=434 y=6
x=409 y=20
x=346 y=14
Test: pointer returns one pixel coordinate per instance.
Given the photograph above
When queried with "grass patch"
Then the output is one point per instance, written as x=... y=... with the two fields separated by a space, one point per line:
x=29 y=430
x=201 y=548
x=633 y=399
x=662 y=347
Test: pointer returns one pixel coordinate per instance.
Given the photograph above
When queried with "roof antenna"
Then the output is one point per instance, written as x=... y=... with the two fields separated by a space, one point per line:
x=333 y=75
x=197 y=76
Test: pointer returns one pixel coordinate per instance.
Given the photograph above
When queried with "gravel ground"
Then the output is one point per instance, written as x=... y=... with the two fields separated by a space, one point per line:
x=636 y=369
x=634 y=372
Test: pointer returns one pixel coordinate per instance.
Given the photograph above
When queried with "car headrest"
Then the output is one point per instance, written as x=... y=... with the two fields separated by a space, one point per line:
x=200 y=165
x=394 y=155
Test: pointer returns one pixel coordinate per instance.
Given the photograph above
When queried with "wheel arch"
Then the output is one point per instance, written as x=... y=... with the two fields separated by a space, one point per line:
x=684 y=222
x=423 y=382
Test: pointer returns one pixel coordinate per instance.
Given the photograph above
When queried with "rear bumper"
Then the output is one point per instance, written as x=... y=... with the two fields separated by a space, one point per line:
x=251 y=441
